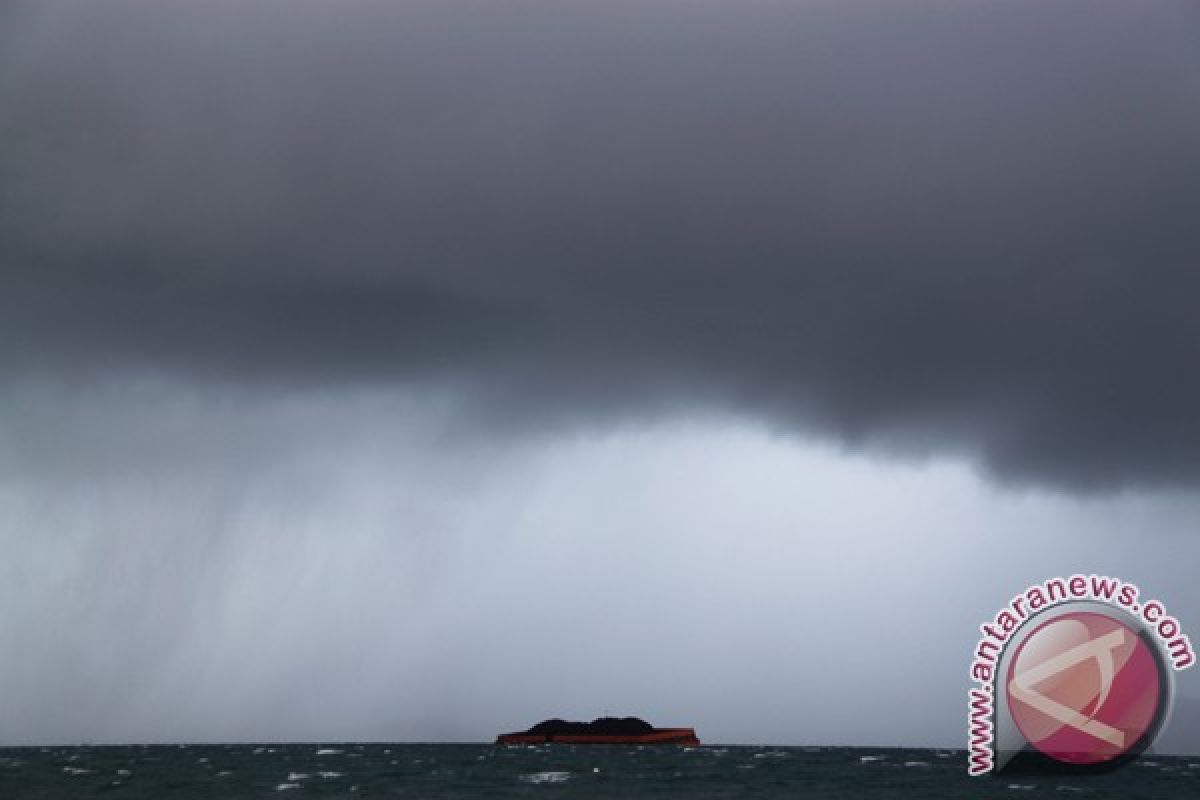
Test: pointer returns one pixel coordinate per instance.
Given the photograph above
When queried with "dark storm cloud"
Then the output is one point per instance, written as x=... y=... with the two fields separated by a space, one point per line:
x=960 y=226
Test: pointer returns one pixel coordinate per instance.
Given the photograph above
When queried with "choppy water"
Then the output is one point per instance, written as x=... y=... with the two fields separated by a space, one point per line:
x=440 y=772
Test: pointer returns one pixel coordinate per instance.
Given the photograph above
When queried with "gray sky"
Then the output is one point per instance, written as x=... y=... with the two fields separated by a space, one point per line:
x=420 y=370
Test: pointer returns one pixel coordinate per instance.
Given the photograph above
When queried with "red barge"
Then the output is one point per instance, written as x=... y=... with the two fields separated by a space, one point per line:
x=606 y=730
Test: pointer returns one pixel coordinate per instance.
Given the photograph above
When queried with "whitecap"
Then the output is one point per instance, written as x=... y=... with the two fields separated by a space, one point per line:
x=328 y=751
x=283 y=787
x=546 y=777
x=76 y=771
x=1022 y=786
x=916 y=763
x=869 y=759
x=331 y=774
x=297 y=776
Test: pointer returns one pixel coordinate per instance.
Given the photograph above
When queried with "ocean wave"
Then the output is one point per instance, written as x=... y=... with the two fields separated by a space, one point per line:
x=545 y=777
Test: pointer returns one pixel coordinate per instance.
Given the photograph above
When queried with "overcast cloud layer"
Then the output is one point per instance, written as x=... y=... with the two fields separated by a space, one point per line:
x=928 y=227
x=378 y=370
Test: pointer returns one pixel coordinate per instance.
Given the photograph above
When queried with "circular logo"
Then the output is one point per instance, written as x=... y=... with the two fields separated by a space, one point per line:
x=1085 y=688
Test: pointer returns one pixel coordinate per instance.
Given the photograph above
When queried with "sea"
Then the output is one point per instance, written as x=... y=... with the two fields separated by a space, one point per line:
x=552 y=772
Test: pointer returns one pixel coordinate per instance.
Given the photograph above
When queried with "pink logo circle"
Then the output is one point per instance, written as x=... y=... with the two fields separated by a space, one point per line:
x=1084 y=688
